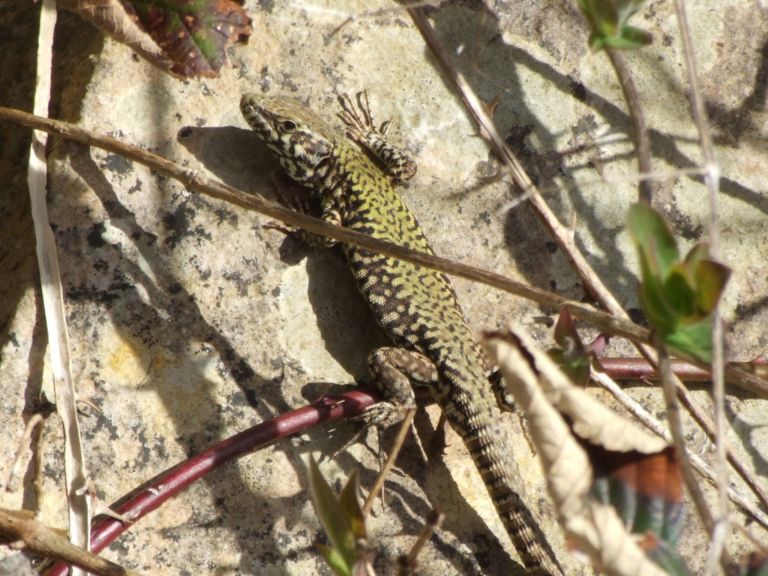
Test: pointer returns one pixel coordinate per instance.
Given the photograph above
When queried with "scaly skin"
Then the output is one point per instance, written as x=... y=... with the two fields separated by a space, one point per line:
x=416 y=306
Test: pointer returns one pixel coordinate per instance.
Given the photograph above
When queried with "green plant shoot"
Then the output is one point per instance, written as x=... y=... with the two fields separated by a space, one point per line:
x=343 y=521
x=678 y=296
x=608 y=20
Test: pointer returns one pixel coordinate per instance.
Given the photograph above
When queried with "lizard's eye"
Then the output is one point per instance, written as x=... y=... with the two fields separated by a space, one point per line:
x=287 y=126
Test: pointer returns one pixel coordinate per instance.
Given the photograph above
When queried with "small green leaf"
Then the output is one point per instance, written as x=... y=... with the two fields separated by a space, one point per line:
x=678 y=296
x=630 y=39
x=698 y=253
x=334 y=560
x=711 y=278
x=608 y=20
x=350 y=504
x=332 y=515
x=679 y=293
x=692 y=340
x=660 y=314
x=653 y=237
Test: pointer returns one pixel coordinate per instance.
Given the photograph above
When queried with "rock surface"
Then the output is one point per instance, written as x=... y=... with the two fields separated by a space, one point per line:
x=190 y=322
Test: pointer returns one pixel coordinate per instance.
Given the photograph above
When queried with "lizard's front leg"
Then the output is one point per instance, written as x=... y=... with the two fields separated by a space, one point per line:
x=361 y=128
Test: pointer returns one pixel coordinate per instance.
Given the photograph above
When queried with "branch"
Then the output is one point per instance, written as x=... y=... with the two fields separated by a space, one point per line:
x=196 y=182
x=29 y=534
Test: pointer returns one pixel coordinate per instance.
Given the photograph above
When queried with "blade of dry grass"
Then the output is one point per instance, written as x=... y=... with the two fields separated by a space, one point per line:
x=76 y=477
x=712 y=181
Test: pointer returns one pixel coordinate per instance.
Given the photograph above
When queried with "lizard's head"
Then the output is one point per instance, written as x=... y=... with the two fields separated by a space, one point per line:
x=301 y=140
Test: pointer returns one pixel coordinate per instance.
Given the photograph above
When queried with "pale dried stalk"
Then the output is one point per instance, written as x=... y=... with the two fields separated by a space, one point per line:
x=712 y=180
x=53 y=298
x=28 y=534
x=405 y=425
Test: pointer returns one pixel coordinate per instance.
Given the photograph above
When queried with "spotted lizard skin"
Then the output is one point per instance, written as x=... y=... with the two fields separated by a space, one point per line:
x=416 y=306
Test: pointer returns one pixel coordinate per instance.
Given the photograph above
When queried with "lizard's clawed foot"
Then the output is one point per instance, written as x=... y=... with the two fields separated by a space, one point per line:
x=360 y=124
x=361 y=128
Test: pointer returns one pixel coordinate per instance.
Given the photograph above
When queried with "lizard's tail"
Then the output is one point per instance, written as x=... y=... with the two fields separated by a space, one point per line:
x=494 y=459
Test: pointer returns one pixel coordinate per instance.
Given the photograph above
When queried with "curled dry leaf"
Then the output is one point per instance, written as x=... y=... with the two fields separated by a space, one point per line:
x=574 y=433
x=111 y=17
x=186 y=37
x=194 y=33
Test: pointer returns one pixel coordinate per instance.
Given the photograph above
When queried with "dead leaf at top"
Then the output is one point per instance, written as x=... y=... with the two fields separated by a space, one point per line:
x=186 y=37
x=193 y=33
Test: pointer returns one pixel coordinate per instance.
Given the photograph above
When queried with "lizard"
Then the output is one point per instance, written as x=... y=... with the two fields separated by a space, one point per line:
x=353 y=173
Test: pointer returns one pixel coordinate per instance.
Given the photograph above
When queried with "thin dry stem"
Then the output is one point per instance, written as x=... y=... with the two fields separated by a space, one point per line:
x=196 y=182
x=13 y=477
x=75 y=473
x=639 y=129
x=18 y=527
x=409 y=562
x=405 y=425
x=669 y=385
x=712 y=180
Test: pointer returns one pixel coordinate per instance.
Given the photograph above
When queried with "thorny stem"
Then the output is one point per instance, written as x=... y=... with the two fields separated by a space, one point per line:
x=639 y=129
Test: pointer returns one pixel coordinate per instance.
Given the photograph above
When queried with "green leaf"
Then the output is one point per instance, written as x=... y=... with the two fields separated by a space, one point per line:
x=697 y=254
x=679 y=293
x=334 y=560
x=653 y=238
x=350 y=504
x=660 y=314
x=692 y=340
x=608 y=20
x=630 y=38
x=711 y=278
x=332 y=516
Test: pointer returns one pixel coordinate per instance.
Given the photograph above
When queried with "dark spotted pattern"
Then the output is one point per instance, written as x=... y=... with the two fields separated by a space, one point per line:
x=416 y=306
